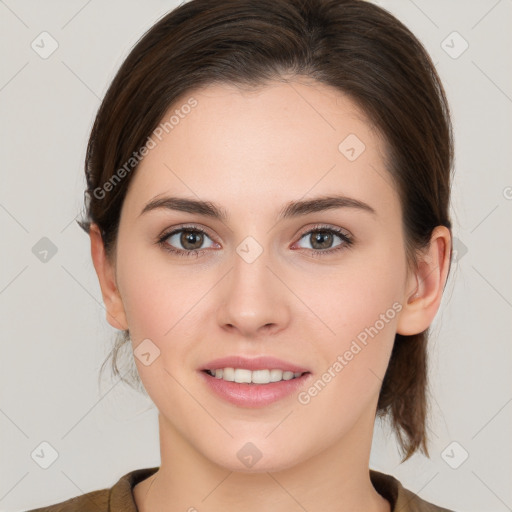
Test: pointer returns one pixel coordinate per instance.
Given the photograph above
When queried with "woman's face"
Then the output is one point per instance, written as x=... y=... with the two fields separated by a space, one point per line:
x=259 y=283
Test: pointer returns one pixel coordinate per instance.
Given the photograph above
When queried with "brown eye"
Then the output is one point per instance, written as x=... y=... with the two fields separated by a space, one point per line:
x=186 y=241
x=322 y=240
x=191 y=240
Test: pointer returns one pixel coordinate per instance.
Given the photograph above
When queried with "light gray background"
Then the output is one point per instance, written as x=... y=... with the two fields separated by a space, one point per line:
x=54 y=332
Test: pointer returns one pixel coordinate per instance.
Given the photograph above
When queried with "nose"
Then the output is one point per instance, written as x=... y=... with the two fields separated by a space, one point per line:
x=254 y=301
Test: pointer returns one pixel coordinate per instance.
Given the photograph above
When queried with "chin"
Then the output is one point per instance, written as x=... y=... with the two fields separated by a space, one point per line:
x=253 y=457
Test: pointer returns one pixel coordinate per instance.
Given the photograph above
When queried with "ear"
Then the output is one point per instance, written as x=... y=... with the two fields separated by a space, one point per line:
x=425 y=286
x=106 y=275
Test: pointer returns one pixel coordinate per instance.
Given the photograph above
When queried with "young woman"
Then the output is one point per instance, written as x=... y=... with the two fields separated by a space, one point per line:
x=268 y=209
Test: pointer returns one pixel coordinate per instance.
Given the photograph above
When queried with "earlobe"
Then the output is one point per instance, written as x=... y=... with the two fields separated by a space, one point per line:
x=425 y=287
x=106 y=275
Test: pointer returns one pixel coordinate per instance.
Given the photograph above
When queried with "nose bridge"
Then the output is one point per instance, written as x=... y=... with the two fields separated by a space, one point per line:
x=253 y=297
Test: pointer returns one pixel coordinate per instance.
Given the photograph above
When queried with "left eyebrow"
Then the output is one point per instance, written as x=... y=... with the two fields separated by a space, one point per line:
x=318 y=204
x=291 y=209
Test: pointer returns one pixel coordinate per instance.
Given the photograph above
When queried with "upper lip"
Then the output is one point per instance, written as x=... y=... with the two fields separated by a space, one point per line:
x=256 y=363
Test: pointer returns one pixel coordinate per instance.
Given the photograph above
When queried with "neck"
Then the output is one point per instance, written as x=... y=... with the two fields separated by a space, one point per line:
x=336 y=479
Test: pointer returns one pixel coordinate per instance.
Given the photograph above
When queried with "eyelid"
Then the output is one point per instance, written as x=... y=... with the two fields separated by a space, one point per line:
x=347 y=239
x=195 y=227
x=161 y=239
x=166 y=233
x=345 y=235
x=326 y=227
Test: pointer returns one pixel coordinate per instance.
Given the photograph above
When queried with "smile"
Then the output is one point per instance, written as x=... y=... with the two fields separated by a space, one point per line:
x=244 y=376
x=241 y=391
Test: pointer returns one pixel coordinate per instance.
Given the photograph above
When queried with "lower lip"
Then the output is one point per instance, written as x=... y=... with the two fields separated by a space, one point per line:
x=254 y=395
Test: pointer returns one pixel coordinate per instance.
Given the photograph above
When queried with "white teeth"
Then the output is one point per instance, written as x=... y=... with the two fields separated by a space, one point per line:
x=227 y=374
x=243 y=376
x=260 y=376
x=276 y=375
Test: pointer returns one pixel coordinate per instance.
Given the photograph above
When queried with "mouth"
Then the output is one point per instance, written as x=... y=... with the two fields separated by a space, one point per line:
x=257 y=377
x=259 y=383
x=253 y=383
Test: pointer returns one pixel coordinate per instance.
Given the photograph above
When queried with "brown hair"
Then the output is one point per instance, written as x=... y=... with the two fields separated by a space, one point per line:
x=352 y=45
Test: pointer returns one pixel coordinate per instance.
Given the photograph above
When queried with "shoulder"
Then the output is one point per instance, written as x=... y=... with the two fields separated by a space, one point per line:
x=401 y=499
x=413 y=503
x=96 y=501
x=118 y=498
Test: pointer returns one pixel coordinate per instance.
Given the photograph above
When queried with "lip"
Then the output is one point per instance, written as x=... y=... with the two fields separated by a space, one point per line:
x=253 y=396
x=256 y=363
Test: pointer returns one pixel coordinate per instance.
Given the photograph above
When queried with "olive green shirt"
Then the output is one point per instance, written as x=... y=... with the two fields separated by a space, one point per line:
x=119 y=498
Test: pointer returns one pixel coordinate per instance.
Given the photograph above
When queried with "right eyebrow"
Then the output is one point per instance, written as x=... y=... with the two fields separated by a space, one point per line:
x=182 y=204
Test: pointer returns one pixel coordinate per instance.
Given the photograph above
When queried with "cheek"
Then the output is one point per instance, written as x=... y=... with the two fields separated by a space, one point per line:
x=145 y=308
x=159 y=305
x=363 y=294
x=360 y=306
x=353 y=360
x=153 y=299
x=165 y=303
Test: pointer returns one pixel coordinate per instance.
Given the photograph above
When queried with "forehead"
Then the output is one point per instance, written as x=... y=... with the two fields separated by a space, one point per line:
x=252 y=147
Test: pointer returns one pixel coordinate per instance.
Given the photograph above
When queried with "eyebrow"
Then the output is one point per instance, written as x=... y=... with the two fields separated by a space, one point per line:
x=291 y=209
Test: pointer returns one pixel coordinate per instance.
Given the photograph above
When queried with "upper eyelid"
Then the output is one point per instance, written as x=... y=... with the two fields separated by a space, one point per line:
x=319 y=227
x=186 y=227
x=308 y=230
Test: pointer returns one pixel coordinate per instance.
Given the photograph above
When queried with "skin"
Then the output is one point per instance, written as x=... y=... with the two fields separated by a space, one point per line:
x=251 y=152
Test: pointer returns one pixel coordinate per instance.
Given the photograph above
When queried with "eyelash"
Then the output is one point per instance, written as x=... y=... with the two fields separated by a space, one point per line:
x=345 y=237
